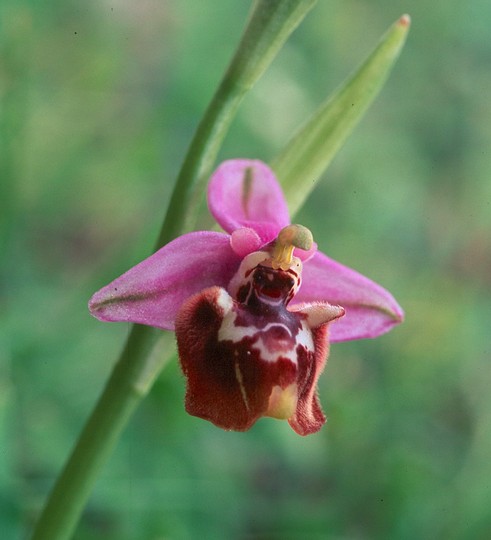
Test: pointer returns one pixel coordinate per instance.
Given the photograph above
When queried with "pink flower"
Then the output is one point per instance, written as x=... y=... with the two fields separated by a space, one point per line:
x=252 y=309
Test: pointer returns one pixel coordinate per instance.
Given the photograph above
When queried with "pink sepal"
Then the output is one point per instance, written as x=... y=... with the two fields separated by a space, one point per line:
x=370 y=309
x=152 y=291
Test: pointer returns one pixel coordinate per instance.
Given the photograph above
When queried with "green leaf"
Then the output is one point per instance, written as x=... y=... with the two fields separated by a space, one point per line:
x=309 y=152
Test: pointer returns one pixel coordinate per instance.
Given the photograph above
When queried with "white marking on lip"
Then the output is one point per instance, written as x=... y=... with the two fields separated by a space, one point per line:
x=277 y=325
x=240 y=380
x=272 y=357
x=224 y=301
x=228 y=331
x=271 y=301
x=304 y=337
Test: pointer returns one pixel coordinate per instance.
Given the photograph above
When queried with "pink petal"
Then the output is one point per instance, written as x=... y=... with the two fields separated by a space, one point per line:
x=370 y=309
x=152 y=291
x=238 y=199
x=245 y=241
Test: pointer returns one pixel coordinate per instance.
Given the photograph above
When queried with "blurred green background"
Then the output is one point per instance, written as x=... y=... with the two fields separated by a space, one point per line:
x=98 y=103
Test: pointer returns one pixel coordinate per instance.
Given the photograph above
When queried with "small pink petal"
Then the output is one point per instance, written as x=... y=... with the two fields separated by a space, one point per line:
x=245 y=193
x=152 y=292
x=370 y=309
x=245 y=241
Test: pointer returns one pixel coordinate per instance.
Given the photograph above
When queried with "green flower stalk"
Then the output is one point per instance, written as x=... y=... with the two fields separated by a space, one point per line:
x=269 y=25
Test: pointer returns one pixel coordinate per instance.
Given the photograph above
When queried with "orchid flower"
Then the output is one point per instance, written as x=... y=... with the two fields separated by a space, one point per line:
x=253 y=308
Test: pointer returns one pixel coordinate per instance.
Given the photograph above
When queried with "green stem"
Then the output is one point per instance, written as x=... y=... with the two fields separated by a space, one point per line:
x=142 y=359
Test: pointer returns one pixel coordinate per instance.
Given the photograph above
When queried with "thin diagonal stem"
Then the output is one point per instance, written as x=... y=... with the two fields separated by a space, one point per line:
x=142 y=359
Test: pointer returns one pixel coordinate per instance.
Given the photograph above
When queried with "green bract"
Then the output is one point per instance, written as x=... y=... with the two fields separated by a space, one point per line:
x=300 y=164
